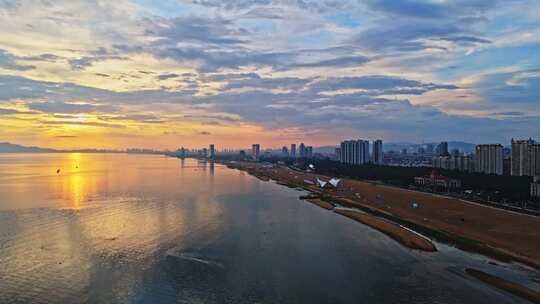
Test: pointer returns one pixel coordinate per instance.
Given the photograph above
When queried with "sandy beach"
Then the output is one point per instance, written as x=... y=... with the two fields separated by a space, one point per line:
x=403 y=236
x=503 y=284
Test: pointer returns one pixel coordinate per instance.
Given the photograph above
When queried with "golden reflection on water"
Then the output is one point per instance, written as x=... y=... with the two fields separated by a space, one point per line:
x=144 y=206
x=76 y=183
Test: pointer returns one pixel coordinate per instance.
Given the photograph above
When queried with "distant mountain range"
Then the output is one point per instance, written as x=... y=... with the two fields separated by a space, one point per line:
x=460 y=145
x=6 y=147
x=398 y=146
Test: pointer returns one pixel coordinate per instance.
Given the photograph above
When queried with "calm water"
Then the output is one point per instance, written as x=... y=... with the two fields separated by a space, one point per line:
x=152 y=229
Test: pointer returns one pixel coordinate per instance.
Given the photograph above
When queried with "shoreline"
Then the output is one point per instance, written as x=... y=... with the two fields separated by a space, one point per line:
x=505 y=285
x=399 y=234
x=405 y=237
x=440 y=229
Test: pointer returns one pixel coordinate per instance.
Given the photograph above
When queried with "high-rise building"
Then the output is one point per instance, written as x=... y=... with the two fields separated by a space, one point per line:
x=181 y=152
x=525 y=159
x=460 y=163
x=442 y=149
x=255 y=151
x=212 y=152
x=377 y=152
x=364 y=152
x=354 y=152
x=284 y=151
x=535 y=187
x=204 y=152
x=309 y=152
x=338 y=153
x=429 y=148
x=302 y=150
x=489 y=159
x=293 y=150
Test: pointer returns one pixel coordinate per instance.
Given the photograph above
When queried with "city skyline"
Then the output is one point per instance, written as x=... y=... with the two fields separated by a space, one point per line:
x=86 y=74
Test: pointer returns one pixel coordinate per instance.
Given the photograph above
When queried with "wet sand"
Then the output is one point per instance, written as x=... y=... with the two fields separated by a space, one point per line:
x=501 y=234
x=320 y=203
x=403 y=236
x=505 y=285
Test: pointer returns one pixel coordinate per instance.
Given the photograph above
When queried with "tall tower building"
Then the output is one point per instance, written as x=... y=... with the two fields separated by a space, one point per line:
x=489 y=159
x=293 y=150
x=255 y=150
x=442 y=149
x=212 y=151
x=525 y=158
x=302 y=150
x=377 y=152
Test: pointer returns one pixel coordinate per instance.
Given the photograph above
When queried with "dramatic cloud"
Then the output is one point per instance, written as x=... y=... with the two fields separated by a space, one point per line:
x=234 y=72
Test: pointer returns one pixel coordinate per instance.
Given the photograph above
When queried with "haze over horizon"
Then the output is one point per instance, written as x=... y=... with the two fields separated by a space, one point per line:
x=114 y=75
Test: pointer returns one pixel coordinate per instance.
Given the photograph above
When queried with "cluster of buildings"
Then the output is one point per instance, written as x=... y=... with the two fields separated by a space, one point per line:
x=357 y=152
x=523 y=159
x=303 y=151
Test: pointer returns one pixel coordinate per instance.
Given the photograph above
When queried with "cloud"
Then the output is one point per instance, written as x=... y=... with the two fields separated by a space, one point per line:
x=82 y=123
x=7 y=111
x=379 y=85
x=254 y=81
x=409 y=68
x=512 y=89
x=348 y=61
x=87 y=61
x=429 y=9
x=195 y=29
x=9 y=61
x=71 y=108
x=140 y=118
x=167 y=76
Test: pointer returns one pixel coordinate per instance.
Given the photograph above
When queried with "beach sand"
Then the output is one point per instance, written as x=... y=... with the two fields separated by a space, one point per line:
x=403 y=236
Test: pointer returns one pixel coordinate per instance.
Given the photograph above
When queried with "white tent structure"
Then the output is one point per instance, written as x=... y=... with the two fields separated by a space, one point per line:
x=334 y=182
x=321 y=183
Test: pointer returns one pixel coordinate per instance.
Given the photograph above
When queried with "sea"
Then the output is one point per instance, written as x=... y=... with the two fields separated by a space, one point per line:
x=122 y=228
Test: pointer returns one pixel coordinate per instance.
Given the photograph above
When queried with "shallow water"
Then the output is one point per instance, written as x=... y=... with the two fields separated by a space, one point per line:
x=114 y=228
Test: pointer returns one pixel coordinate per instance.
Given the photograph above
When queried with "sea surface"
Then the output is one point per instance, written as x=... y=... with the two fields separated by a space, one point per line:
x=118 y=228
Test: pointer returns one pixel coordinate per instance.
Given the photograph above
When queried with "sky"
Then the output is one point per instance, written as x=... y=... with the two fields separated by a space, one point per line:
x=171 y=73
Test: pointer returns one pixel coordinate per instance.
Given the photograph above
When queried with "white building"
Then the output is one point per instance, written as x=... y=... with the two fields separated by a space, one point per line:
x=355 y=152
x=489 y=159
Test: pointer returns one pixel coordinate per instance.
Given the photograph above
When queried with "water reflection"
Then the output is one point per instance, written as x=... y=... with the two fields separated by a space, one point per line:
x=150 y=229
